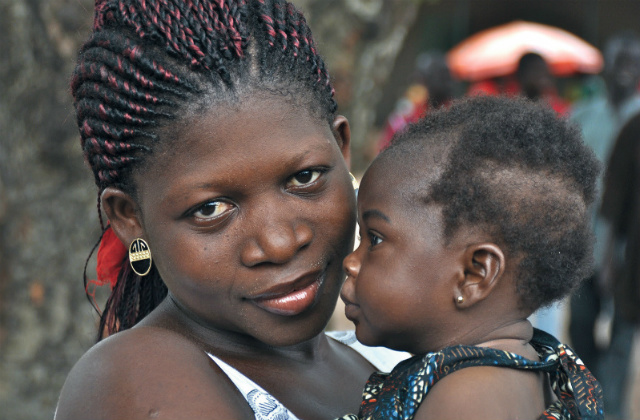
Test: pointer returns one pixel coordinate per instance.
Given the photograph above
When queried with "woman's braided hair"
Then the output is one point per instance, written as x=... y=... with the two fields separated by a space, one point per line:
x=148 y=62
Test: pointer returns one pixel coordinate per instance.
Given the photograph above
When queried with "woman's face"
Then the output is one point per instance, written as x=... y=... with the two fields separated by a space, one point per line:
x=248 y=217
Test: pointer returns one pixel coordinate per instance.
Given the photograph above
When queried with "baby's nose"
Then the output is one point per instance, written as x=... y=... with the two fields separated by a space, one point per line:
x=351 y=265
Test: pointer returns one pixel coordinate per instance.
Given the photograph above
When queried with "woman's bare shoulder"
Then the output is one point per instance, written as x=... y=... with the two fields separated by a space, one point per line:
x=485 y=392
x=149 y=372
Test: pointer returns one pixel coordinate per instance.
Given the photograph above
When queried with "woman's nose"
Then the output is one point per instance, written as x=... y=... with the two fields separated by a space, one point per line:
x=276 y=242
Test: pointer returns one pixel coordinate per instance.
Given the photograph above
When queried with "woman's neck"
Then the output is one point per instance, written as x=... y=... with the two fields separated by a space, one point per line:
x=170 y=315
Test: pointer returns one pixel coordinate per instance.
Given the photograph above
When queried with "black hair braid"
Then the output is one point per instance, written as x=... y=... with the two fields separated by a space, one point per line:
x=102 y=93
x=286 y=31
x=150 y=286
x=133 y=298
x=279 y=18
x=119 y=72
x=126 y=312
x=174 y=23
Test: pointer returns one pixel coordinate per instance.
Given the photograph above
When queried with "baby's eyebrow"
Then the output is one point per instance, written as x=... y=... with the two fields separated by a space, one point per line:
x=376 y=214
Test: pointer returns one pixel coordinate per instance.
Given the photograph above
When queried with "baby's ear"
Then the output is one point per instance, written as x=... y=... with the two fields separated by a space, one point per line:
x=484 y=265
x=120 y=209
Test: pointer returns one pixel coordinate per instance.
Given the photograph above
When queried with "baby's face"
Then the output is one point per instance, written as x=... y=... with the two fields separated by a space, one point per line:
x=399 y=289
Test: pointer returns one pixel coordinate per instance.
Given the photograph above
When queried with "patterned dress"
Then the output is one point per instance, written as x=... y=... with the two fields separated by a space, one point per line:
x=397 y=395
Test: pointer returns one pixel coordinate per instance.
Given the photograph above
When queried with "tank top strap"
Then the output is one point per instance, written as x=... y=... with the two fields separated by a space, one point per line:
x=267 y=407
x=264 y=405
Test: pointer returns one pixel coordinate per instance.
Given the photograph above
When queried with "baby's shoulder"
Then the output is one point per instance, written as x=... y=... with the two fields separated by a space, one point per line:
x=485 y=392
x=147 y=372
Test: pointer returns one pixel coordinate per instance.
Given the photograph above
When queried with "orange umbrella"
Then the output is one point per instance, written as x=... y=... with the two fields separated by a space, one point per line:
x=496 y=51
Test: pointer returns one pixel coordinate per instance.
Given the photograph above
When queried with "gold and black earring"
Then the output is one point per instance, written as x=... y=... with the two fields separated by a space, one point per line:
x=140 y=257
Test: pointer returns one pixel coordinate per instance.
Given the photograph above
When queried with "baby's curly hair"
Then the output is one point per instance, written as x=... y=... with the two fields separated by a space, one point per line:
x=520 y=172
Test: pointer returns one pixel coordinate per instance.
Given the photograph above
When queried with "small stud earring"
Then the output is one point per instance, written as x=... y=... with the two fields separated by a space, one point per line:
x=460 y=299
x=140 y=257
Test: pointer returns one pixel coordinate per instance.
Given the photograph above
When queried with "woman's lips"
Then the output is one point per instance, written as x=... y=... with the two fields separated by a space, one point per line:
x=292 y=303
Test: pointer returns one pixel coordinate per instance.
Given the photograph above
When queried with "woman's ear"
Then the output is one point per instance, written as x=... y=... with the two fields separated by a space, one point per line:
x=484 y=265
x=121 y=210
x=342 y=133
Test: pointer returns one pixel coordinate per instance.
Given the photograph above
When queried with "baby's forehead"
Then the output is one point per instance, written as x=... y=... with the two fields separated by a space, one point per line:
x=406 y=169
x=405 y=186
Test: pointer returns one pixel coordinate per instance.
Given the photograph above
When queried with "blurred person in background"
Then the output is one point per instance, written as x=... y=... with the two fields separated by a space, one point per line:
x=620 y=273
x=503 y=85
x=434 y=87
x=621 y=270
x=532 y=79
x=601 y=118
x=537 y=83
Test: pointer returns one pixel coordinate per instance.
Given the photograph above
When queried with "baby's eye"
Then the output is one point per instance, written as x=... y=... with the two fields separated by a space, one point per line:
x=305 y=177
x=374 y=239
x=212 y=209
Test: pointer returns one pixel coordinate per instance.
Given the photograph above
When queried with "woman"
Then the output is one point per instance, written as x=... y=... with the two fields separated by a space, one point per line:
x=211 y=130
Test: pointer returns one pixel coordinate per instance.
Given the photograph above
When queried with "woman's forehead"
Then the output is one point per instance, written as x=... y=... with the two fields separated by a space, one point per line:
x=244 y=125
x=255 y=138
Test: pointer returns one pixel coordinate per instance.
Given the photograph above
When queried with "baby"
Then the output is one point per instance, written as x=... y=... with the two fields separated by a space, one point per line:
x=472 y=219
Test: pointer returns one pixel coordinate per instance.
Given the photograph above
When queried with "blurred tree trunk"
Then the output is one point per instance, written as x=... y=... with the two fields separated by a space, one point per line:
x=360 y=41
x=47 y=205
x=47 y=197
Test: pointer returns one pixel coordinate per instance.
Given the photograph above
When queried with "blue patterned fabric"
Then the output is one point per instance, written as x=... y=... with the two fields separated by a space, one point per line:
x=397 y=395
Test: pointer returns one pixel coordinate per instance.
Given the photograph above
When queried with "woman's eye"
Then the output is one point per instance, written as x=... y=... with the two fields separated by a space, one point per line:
x=304 y=178
x=374 y=239
x=212 y=209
